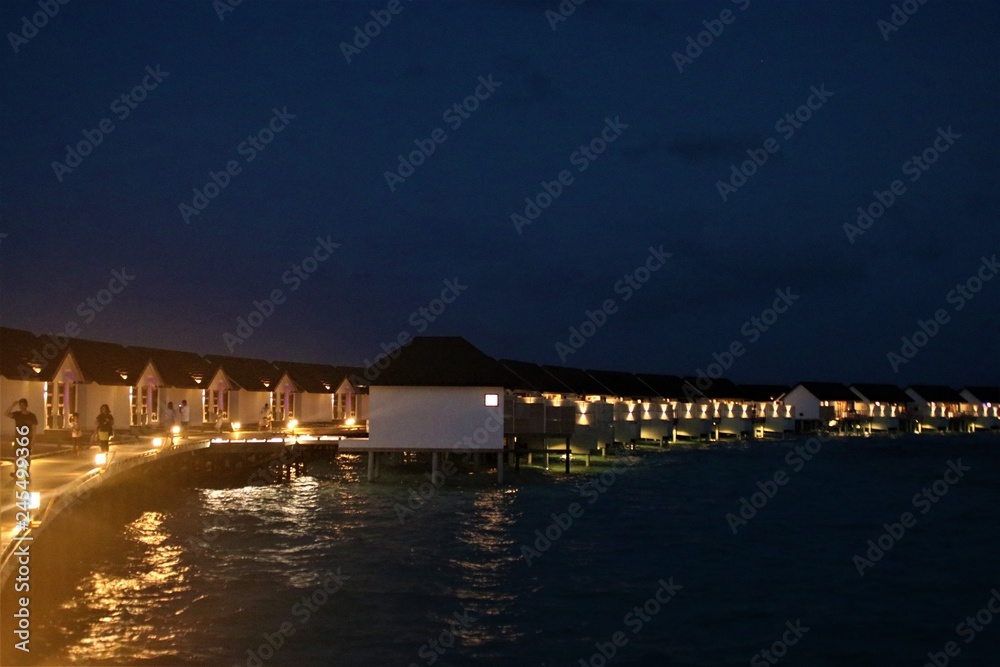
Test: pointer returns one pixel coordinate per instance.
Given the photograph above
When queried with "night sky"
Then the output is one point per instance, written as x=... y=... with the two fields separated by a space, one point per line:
x=879 y=97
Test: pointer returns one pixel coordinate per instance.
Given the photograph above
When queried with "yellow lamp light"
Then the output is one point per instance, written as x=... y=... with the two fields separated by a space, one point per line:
x=101 y=458
x=157 y=442
x=237 y=426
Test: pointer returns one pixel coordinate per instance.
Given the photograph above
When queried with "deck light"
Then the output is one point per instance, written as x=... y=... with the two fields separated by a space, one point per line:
x=34 y=500
x=100 y=459
x=176 y=430
x=351 y=421
x=157 y=442
x=237 y=426
x=292 y=423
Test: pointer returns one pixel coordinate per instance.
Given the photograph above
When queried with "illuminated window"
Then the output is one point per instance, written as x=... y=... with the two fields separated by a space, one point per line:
x=492 y=400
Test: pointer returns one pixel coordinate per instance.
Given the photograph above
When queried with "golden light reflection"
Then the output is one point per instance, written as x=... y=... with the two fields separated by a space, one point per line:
x=485 y=565
x=129 y=628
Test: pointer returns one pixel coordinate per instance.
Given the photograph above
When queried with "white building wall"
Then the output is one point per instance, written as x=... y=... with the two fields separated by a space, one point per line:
x=314 y=407
x=414 y=418
x=806 y=405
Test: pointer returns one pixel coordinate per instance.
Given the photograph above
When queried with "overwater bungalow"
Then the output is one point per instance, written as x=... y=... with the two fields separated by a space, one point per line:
x=632 y=400
x=90 y=374
x=171 y=376
x=880 y=407
x=595 y=421
x=768 y=409
x=663 y=412
x=985 y=403
x=728 y=407
x=821 y=404
x=319 y=394
x=937 y=407
x=537 y=416
x=439 y=395
x=242 y=388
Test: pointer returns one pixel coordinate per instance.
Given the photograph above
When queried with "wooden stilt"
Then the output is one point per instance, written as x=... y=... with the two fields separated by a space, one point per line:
x=500 y=467
x=371 y=466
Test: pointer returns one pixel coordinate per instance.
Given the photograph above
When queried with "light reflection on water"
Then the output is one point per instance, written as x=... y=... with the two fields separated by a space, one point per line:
x=485 y=568
x=200 y=577
x=153 y=577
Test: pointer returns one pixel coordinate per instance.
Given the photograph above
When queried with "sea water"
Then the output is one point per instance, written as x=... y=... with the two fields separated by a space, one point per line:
x=837 y=552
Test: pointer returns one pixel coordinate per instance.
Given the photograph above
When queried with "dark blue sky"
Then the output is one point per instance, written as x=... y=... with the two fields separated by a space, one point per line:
x=654 y=185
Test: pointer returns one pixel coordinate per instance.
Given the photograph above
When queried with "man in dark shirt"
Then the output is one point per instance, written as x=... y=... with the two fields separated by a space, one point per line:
x=22 y=417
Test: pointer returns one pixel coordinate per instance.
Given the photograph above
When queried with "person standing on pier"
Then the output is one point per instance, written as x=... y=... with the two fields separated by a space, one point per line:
x=25 y=423
x=22 y=416
x=265 y=417
x=75 y=432
x=169 y=417
x=185 y=416
x=105 y=428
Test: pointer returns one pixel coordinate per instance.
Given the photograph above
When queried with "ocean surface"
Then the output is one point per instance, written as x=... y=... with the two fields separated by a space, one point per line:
x=643 y=560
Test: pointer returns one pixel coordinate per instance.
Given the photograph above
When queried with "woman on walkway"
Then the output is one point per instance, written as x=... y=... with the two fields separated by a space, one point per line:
x=105 y=428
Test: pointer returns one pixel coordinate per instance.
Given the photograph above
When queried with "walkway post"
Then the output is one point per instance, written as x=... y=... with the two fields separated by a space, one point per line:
x=500 y=467
x=371 y=465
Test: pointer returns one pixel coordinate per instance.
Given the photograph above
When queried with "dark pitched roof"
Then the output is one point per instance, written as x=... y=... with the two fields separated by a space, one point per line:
x=719 y=388
x=578 y=381
x=762 y=392
x=882 y=393
x=829 y=391
x=622 y=384
x=668 y=386
x=938 y=393
x=317 y=378
x=439 y=361
x=250 y=374
x=183 y=370
x=107 y=363
x=985 y=394
x=21 y=356
x=527 y=376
